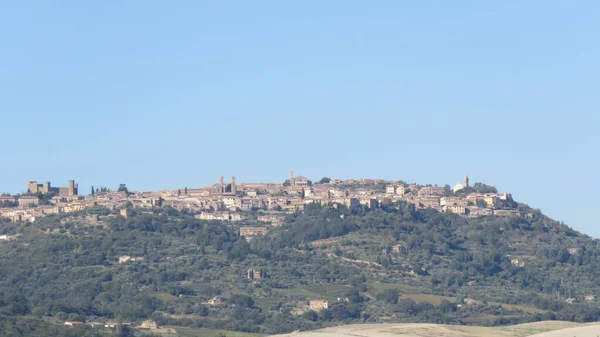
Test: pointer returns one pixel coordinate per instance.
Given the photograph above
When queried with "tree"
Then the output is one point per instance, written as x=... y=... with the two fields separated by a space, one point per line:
x=325 y=180
x=483 y=188
x=243 y=301
x=389 y=296
x=311 y=316
x=407 y=305
x=448 y=191
x=185 y=191
x=93 y=191
x=447 y=306
x=123 y=188
x=202 y=310
x=342 y=311
x=124 y=331
x=353 y=296
x=338 y=251
x=37 y=312
x=358 y=280
x=74 y=317
x=61 y=316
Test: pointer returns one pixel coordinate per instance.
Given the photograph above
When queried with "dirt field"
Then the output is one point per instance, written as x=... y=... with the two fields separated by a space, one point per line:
x=581 y=331
x=538 y=329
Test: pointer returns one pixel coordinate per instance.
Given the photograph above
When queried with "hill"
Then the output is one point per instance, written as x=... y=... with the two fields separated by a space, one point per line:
x=391 y=264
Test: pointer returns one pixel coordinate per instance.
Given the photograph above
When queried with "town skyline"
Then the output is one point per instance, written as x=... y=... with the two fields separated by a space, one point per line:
x=85 y=188
x=232 y=200
x=44 y=182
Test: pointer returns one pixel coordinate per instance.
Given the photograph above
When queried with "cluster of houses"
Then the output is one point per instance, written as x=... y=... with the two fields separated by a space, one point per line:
x=228 y=201
x=312 y=305
x=148 y=324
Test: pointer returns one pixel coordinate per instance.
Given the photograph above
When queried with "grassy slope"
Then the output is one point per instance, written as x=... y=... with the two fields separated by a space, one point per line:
x=202 y=332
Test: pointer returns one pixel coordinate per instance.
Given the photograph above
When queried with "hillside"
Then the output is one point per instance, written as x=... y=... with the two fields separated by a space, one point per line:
x=392 y=264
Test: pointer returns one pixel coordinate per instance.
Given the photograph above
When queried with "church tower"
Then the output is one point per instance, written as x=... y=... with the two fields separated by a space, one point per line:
x=292 y=179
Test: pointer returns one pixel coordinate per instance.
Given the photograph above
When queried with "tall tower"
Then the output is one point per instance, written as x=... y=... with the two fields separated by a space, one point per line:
x=466 y=181
x=72 y=188
x=233 y=185
x=292 y=180
x=221 y=185
x=32 y=187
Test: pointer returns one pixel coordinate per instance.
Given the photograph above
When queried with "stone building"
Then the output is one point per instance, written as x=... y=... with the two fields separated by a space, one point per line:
x=149 y=324
x=456 y=209
x=126 y=258
x=27 y=200
x=428 y=201
x=254 y=274
x=227 y=189
x=395 y=190
x=222 y=188
x=249 y=232
x=431 y=190
x=318 y=305
x=214 y=301
x=7 y=199
x=299 y=181
x=71 y=190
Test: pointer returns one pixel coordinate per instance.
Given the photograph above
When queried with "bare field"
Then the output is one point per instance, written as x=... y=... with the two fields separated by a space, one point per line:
x=581 y=331
x=538 y=329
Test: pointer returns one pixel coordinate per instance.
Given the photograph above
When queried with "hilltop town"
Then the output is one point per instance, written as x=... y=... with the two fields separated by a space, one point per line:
x=296 y=255
x=230 y=201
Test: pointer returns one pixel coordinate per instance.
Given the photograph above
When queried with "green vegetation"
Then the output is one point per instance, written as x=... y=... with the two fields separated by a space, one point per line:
x=477 y=188
x=396 y=264
x=202 y=332
x=324 y=180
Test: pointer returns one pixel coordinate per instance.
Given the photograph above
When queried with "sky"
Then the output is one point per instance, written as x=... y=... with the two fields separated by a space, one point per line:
x=162 y=95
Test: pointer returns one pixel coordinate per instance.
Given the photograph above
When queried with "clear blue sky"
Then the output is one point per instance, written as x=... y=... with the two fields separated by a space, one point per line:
x=160 y=94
